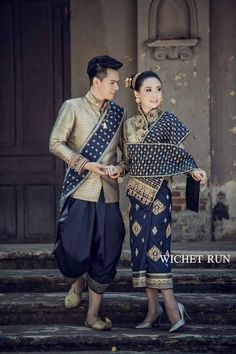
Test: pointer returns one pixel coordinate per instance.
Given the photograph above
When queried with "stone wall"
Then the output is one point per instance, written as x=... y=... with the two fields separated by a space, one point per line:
x=103 y=27
x=179 y=52
x=223 y=118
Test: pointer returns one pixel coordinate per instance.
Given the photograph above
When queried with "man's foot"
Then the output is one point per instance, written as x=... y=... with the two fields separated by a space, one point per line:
x=73 y=298
x=100 y=325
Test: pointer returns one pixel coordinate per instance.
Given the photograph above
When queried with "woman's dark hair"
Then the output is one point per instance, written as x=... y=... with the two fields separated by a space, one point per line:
x=140 y=79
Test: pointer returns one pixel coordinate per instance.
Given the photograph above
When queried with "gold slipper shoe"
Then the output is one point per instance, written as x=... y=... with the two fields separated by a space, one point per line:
x=73 y=299
x=100 y=325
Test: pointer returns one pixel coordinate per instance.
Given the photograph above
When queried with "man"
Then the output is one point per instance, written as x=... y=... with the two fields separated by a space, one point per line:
x=90 y=229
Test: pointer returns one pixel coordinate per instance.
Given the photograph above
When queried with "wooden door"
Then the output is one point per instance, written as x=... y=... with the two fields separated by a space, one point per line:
x=34 y=82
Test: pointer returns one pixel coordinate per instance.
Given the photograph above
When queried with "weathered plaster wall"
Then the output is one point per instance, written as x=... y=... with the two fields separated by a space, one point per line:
x=103 y=27
x=201 y=91
x=223 y=118
x=186 y=90
x=98 y=28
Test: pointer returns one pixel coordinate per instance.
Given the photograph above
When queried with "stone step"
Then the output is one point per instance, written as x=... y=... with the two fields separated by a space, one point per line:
x=113 y=349
x=48 y=308
x=193 y=255
x=185 y=280
x=198 y=338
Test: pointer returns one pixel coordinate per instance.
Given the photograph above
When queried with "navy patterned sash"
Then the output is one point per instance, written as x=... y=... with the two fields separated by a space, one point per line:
x=167 y=129
x=93 y=149
x=159 y=160
x=157 y=156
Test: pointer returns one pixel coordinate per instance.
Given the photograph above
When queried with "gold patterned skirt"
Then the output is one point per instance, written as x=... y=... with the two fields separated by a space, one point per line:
x=150 y=240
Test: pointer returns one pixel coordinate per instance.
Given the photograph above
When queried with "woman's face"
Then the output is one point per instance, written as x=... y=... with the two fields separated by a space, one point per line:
x=150 y=94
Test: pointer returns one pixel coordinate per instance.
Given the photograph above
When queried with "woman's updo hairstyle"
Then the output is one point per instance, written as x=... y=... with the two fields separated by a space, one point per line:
x=135 y=81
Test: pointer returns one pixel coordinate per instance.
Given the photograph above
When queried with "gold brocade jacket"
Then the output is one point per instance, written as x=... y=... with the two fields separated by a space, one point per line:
x=134 y=129
x=76 y=120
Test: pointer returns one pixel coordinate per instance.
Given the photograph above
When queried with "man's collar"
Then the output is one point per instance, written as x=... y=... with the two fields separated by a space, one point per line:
x=100 y=105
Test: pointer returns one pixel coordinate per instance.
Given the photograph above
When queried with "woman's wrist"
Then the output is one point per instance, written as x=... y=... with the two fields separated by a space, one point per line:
x=120 y=170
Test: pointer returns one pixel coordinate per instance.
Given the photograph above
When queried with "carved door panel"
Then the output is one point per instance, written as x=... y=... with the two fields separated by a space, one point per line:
x=34 y=82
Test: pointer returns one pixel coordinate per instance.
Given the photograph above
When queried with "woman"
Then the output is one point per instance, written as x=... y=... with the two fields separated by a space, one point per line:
x=153 y=154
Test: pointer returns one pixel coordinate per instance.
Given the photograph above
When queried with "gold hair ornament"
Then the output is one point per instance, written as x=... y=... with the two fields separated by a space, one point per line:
x=128 y=82
x=134 y=80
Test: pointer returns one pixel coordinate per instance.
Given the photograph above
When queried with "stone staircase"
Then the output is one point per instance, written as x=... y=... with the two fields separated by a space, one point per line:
x=33 y=318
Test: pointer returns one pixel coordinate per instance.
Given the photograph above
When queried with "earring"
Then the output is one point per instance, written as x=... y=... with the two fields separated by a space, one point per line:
x=137 y=100
x=160 y=107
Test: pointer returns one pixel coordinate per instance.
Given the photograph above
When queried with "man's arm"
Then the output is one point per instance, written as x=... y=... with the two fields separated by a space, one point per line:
x=58 y=142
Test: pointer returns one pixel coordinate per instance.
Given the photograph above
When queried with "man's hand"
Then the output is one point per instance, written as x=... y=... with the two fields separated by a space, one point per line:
x=200 y=175
x=95 y=167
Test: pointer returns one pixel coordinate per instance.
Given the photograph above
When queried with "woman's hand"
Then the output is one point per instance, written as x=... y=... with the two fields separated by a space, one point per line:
x=112 y=171
x=199 y=175
x=95 y=167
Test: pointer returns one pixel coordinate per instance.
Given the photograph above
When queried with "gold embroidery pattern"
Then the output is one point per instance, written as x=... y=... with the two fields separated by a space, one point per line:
x=168 y=231
x=141 y=126
x=139 y=282
x=142 y=191
x=152 y=280
x=154 y=253
x=142 y=122
x=139 y=278
x=160 y=283
x=136 y=228
x=158 y=207
x=95 y=286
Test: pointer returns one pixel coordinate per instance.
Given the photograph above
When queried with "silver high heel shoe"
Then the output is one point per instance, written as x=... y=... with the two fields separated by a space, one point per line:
x=176 y=326
x=150 y=324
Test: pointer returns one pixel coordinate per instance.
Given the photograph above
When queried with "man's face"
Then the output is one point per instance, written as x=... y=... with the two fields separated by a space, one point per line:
x=109 y=85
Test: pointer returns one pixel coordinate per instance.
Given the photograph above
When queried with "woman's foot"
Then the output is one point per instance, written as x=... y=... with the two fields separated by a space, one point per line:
x=181 y=322
x=151 y=318
x=173 y=312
